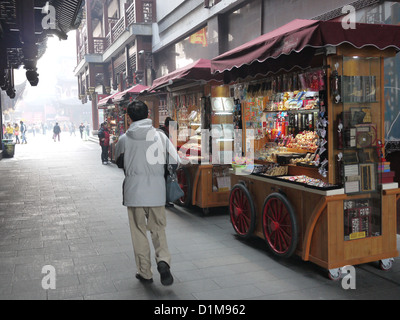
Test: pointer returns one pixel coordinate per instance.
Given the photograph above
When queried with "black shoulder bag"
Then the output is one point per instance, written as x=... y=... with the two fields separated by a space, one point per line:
x=174 y=191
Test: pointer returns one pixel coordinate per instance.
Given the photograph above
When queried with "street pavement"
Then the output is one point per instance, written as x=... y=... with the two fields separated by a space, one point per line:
x=61 y=207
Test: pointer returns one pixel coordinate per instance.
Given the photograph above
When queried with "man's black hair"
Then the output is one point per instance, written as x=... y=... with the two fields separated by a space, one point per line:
x=137 y=110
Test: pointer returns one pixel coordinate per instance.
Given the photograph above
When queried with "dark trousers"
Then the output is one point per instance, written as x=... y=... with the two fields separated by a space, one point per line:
x=104 y=153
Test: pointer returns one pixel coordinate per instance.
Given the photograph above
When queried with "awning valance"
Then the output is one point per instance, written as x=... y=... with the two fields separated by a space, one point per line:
x=107 y=101
x=125 y=95
x=196 y=71
x=270 y=51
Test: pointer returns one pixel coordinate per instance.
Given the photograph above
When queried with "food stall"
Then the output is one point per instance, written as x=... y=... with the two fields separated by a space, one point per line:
x=312 y=100
x=189 y=102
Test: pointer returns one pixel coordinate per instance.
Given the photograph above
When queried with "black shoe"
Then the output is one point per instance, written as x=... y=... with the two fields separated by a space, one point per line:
x=169 y=205
x=165 y=274
x=144 y=280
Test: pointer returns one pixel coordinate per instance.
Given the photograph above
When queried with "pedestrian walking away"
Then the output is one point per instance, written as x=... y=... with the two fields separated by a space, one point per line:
x=56 y=132
x=23 y=130
x=143 y=149
x=81 y=128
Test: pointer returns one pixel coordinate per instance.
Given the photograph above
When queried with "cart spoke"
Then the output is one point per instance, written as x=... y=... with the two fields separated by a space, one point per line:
x=270 y=210
x=244 y=223
x=238 y=199
x=276 y=211
x=283 y=243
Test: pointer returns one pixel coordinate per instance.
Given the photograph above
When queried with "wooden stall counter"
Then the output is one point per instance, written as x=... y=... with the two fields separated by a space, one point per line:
x=205 y=186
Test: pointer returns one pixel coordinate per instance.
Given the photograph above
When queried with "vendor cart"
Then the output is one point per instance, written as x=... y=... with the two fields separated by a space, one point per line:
x=190 y=95
x=317 y=187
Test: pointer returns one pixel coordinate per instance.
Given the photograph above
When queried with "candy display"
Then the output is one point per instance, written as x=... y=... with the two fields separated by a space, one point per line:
x=288 y=116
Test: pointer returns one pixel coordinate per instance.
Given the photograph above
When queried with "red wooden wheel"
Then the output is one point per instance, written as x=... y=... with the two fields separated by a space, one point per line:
x=185 y=184
x=241 y=210
x=279 y=225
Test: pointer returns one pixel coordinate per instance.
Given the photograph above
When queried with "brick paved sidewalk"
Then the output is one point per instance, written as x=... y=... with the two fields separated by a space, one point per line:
x=60 y=206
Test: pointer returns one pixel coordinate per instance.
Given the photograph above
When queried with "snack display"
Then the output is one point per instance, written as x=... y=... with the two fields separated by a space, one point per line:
x=307 y=181
x=307 y=140
x=274 y=171
x=309 y=159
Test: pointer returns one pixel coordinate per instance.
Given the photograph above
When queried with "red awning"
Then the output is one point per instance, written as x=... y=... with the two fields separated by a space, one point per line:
x=135 y=90
x=196 y=71
x=297 y=36
x=107 y=101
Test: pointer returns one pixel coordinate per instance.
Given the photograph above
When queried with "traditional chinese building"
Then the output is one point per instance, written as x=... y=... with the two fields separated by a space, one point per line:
x=114 y=48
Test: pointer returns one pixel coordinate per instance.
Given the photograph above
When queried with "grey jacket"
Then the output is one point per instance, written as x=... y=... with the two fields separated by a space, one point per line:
x=144 y=150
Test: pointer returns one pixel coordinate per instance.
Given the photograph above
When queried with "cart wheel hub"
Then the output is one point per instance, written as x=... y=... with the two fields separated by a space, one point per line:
x=239 y=211
x=274 y=226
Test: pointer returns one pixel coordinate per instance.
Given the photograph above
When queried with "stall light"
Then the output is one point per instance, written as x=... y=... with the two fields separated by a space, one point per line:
x=356 y=57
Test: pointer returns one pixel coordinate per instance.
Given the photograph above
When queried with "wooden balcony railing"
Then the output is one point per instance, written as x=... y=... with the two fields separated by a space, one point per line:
x=130 y=14
x=117 y=26
x=99 y=45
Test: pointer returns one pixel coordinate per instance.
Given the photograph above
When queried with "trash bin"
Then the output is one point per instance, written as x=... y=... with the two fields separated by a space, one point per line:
x=8 y=148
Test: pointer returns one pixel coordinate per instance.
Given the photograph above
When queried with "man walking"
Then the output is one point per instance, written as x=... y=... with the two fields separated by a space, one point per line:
x=23 y=129
x=143 y=149
x=56 y=132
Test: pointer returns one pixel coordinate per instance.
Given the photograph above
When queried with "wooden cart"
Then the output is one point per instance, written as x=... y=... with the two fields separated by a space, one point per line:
x=351 y=221
x=205 y=185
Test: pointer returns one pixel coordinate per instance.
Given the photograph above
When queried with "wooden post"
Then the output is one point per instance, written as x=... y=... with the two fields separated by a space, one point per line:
x=105 y=19
x=89 y=26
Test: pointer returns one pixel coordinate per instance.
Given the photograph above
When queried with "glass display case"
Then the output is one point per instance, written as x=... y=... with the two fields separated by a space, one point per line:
x=205 y=142
x=287 y=114
x=187 y=113
x=357 y=91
